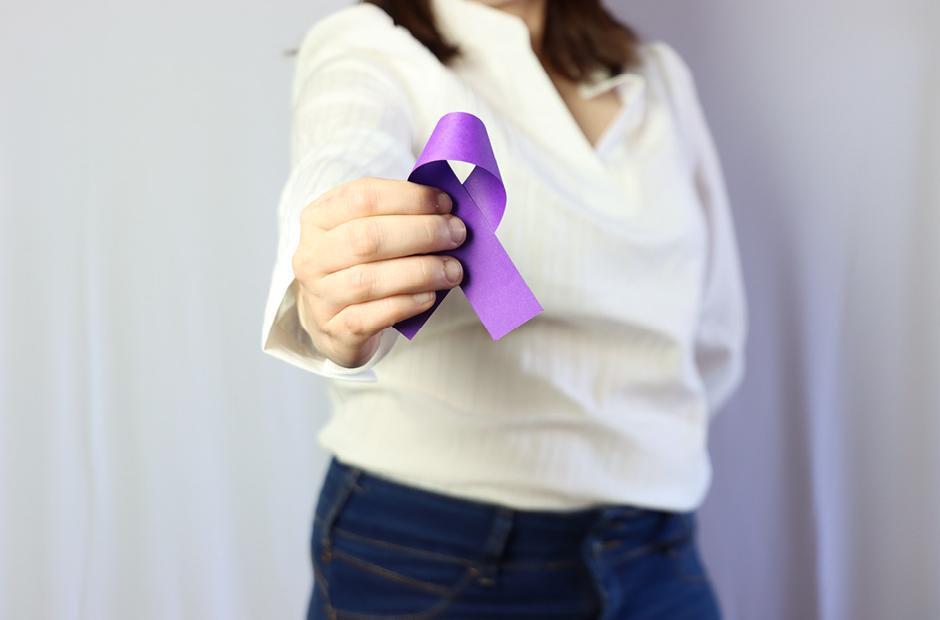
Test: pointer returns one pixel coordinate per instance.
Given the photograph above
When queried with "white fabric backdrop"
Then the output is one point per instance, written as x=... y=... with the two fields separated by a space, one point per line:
x=155 y=464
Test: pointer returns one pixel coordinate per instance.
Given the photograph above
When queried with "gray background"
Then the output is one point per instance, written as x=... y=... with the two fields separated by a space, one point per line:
x=155 y=464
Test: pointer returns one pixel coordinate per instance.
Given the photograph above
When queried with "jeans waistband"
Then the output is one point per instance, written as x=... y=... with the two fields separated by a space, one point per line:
x=475 y=518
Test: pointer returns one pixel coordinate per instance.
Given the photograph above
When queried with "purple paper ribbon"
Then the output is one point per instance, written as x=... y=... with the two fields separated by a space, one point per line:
x=491 y=282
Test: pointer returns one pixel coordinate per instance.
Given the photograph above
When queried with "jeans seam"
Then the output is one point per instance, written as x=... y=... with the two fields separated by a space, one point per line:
x=518 y=565
x=320 y=580
x=389 y=574
x=663 y=546
x=326 y=538
x=435 y=610
x=594 y=571
x=404 y=548
x=673 y=548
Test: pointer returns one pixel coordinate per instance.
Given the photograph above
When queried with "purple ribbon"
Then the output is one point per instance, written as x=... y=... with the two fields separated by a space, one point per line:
x=491 y=283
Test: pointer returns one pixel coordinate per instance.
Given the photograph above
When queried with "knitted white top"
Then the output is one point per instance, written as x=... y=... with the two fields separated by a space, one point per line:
x=605 y=397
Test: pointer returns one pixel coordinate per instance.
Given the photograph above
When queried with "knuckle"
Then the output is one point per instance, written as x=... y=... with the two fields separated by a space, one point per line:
x=389 y=308
x=364 y=239
x=305 y=263
x=344 y=191
x=362 y=196
x=328 y=331
x=307 y=317
x=361 y=282
x=429 y=270
x=433 y=228
x=386 y=308
x=354 y=323
x=300 y=266
x=344 y=195
x=313 y=288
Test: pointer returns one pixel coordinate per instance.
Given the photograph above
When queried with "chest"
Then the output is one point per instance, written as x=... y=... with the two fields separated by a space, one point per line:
x=588 y=233
x=592 y=115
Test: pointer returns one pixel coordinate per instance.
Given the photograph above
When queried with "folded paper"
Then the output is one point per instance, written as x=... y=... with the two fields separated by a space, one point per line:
x=491 y=282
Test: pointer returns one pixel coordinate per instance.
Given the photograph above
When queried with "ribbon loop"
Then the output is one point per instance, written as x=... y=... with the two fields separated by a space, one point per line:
x=491 y=283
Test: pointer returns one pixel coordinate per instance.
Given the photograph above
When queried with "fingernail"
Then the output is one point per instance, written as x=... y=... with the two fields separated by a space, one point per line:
x=444 y=203
x=452 y=270
x=423 y=298
x=458 y=231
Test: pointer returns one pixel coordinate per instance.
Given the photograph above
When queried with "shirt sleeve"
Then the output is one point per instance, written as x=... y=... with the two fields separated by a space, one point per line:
x=350 y=118
x=723 y=320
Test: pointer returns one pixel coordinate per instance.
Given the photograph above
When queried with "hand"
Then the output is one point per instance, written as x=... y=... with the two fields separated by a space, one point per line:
x=361 y=264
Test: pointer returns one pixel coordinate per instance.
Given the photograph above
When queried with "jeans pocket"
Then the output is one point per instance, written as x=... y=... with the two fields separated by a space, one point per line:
x=366 y=572
x=373 y=578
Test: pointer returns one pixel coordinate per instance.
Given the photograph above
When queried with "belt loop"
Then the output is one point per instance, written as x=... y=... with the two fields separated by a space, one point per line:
x=350 y=481
x=495 y=545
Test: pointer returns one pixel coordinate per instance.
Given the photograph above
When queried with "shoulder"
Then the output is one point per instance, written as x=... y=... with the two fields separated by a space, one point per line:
x=362 y=31
x=666 y=65
x=671 y=66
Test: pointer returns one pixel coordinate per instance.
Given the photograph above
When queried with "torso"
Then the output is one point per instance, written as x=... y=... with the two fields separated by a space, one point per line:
x=596 y=399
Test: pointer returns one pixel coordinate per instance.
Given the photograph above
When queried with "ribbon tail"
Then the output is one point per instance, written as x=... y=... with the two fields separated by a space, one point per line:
x=491 y=283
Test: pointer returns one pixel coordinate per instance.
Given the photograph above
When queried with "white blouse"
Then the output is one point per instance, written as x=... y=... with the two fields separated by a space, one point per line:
x=629 y=246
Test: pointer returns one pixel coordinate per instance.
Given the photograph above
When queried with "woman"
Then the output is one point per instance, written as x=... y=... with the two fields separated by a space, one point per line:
x=553 y=473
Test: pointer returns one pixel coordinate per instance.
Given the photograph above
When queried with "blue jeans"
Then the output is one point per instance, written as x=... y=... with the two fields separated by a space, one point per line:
x=381 y=549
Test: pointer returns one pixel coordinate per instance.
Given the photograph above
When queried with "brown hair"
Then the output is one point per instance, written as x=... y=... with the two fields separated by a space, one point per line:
x=579 y=37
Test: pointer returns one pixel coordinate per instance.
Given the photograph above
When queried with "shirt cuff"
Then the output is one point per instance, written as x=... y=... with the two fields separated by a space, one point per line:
x=284 y=338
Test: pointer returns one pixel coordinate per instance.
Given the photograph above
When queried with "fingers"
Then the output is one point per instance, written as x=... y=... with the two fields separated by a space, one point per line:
x=359 y=322
x=373 y=196
x=382 y=237
x=363 y=262
x=387 y=278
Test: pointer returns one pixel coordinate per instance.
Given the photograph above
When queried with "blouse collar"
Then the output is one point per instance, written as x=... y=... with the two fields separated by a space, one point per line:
x=500 y=42
x=485 y=31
